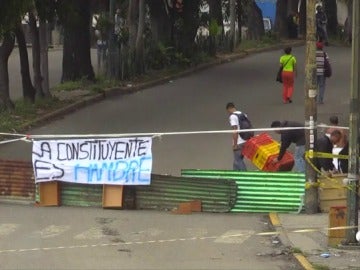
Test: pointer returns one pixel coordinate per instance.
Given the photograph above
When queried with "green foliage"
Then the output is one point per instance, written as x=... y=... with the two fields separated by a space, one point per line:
x=69 y=85
x=10 y=13
x=296 y=250
x=214 y=28
x=26 y=112
x=321 y=267
x=98 y=86
x=160 y=56
x=46 y=9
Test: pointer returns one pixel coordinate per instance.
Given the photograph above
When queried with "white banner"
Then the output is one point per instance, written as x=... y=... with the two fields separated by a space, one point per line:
x=121 y=161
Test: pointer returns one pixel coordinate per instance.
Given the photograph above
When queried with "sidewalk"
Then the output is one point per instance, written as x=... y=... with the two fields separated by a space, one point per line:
x=313 y=243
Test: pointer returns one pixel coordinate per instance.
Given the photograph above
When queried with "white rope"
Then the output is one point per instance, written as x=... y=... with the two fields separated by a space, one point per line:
x=153 y=134
x=326 y=126
x=13 y=140
x=12 y=134
x=157 y=134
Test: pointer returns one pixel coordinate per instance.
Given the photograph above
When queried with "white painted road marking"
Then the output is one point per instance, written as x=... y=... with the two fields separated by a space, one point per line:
x=92 y=233
x=51 y=231
x=161 y=241
x=234 y=236
x=7 y=228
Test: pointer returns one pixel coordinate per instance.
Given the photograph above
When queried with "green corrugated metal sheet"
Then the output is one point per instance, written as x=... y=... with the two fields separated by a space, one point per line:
x=81 y=194
x=166 y=192
x=261 y=191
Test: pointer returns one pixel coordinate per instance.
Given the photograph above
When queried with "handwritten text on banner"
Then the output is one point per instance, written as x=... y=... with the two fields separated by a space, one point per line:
x=121 y=161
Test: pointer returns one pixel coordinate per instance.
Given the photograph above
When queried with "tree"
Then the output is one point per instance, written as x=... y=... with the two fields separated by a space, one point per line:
x=36 y=52
x=302 y=18
x=280 y=19
x=28 y=88
x=8 y=42
x=75 y=18
x=232 y=25
x=46 y=13
x=10 y=13
x=160 y=23
x=215 y=12
x=139 y=46
x=348 y=22
x=254 y=21
x=190 y=23
x=331 y=13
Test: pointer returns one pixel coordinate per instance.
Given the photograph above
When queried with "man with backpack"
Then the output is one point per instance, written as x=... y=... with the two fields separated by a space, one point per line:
x=238 y=121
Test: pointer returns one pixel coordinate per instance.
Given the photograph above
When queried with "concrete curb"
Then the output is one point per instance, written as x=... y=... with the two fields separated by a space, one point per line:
x=275 y=221
x=133 y=89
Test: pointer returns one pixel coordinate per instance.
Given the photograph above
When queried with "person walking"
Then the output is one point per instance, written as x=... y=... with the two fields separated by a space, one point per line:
x=237 y=141
x=288 y=136
x=320 y=71
x=321 y=25
x=288 y=64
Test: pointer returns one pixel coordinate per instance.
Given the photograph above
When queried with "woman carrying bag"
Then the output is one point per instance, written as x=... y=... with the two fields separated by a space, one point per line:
x=288 y=66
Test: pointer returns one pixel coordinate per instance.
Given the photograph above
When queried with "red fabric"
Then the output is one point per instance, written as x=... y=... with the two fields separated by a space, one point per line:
x=288 y=85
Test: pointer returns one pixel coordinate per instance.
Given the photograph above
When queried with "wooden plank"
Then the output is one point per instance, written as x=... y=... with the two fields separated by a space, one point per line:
x=49 y=193
x=112 y=196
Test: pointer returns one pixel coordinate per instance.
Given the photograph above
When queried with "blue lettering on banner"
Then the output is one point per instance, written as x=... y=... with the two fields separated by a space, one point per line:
x=121 y=171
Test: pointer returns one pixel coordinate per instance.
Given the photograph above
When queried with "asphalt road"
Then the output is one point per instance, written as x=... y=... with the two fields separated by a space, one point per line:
x=44 y=238
x=78 y=238
x=197 y=103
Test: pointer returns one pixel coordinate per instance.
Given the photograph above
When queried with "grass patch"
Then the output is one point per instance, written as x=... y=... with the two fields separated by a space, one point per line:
x=267 y=40
x=296 y=250
x=96 y=86
x=26 y=112
x=321 y=267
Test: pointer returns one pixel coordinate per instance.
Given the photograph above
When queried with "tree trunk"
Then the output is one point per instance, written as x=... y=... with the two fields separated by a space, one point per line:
x=5 y=51
x=159 y=22
x=232 y=25
x=215 y=12
x=348 y=22
x=280 y=19
x=76 y=49
x=139 y=47
x=44 y=60
x=29 y=91
x=132 y=23
x=331 y=13
x=191 y=22
x=35 y=40
x=239 y=11
x=255 y=22
x=302 y=18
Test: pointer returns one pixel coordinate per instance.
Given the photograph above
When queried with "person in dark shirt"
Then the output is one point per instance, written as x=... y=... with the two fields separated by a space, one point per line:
x=296 y=136
x=343 y=164
x=325 y=144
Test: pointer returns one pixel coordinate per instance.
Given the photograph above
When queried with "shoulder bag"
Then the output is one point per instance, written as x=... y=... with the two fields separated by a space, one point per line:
x=279 y=73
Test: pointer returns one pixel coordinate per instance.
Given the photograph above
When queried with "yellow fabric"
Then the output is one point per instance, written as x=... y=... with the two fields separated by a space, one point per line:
x=290 y=64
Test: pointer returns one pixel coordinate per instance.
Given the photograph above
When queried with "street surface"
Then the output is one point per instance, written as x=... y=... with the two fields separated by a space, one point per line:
x=78 y=238
x=197 y=103
x=92 y=238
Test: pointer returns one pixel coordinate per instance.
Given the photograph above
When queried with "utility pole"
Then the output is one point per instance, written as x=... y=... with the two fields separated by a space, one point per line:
x=353 y=175
x=311 y=193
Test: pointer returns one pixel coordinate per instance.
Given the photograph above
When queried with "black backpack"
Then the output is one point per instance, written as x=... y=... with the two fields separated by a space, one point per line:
x=245 y=123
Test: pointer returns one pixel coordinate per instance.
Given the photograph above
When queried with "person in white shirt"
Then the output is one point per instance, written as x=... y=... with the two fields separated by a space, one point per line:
x=237 y=141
